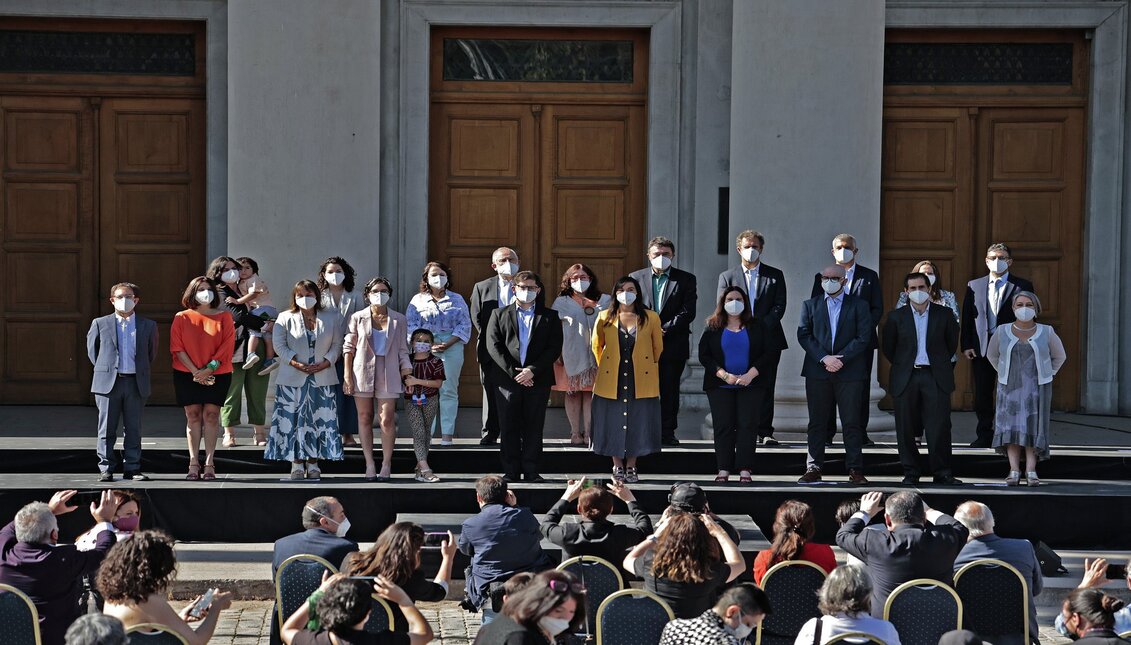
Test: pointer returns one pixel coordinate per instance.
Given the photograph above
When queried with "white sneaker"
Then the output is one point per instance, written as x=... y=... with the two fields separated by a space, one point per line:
x=251 y=360
x=447 y=441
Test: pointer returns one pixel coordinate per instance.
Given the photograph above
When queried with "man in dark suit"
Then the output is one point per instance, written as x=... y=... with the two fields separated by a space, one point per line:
x=920 y=340
x=523 y=339
x=835 y=332
x=766 y=288
x=33 y=561
x=487 y=296
x=864 y=283
x=984 y=543
x=909 y=549
x=121 y=346
x=671 y=293
x=987 y=305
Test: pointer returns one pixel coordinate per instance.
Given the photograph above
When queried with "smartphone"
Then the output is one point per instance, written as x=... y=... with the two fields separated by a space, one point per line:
x=363 y=577
x=435 y=538
x=594 y=483
x=1116 y=571
x=202 y=604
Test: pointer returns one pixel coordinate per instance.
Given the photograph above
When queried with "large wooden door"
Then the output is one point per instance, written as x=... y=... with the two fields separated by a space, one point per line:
x=554 y=170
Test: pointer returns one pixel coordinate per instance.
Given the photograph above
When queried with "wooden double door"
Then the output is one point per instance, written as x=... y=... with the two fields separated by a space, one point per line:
x=555 y=171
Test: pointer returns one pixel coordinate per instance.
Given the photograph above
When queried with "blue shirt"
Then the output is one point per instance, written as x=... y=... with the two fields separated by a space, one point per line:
x=127 y=344
x=525 y=324
x=736 y=353
x=834 y=304
x=921 y=335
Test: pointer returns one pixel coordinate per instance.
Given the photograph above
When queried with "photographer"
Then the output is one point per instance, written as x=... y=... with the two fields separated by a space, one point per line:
x=595 y=535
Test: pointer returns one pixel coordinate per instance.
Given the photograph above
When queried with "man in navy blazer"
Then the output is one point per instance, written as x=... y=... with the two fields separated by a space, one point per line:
x=984 y=543
x=122 y=347
x=33 y=561
x=835 y=331
x=672 y=294
x=487 y=296
x=864 y=283
x=765 y=286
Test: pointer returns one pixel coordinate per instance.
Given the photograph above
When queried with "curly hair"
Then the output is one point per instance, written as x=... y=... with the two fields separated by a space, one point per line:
x=393 y=556
x=427 y=288
x=793 y=527
x=687 y=552
x=137 y=568
x=344 y=604
x=351 y=275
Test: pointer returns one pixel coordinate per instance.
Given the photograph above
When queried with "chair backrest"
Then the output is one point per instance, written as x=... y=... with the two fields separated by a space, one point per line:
x=19 y=620
x=792 y=587
x=153 y=634
x=854 y=638
x=601 y=580
x=922 y=610
x=632 y=617
x=298 y=577
x=380 y=616
x=995 y=597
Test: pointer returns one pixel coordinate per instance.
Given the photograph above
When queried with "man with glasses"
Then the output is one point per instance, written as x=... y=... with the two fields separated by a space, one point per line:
x=987 y=305
x=488 y=295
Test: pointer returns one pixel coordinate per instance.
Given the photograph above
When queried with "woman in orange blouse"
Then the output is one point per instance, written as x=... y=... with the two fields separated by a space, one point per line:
x=202 y=341
x=793 y=529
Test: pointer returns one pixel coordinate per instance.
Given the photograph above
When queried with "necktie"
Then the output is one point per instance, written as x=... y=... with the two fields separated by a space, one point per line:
x=997 y=296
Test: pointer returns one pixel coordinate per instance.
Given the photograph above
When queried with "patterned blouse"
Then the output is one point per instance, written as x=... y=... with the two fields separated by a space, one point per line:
x=448 y=315
x=947 y=299
x=429 y=369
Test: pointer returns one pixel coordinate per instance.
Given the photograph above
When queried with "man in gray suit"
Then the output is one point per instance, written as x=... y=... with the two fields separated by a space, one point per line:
x=121 y=347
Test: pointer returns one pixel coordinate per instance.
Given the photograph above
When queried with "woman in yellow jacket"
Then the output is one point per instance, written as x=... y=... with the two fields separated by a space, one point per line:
x=627 y=342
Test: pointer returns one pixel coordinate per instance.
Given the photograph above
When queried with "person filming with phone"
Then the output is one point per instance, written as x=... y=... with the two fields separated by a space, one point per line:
x=593 y=533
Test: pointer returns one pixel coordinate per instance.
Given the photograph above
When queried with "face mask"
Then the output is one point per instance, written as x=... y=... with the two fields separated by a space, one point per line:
x=437 y=281
x=205 y=297
x=831 y=286
x=997 y=266
x=734 y=307
x=379 y=298
x=126 y=305
x=230 y=276
x=741 y=631
x=661 y=262
x=336 y=278
x=580 y=286
x=918 y=297
x=843 y=255
x=343 y=528
x=127 y=524
x=554 y=626
x=626 y=297
x=525 y=296
x=930 y=278
x=750 y=254
x=421 y=347
x=507 y=268
x=304 y=302
x=1025 y=314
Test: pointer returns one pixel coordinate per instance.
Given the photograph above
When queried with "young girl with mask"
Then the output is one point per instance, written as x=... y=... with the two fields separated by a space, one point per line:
x=552 y=603
x=422 y=398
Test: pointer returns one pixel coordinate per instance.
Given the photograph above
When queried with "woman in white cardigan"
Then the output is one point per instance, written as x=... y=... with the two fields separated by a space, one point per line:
x=304 y=426
x=1027 y=355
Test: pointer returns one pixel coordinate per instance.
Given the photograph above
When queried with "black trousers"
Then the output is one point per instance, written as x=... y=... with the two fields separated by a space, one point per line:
x=923 y=404
x=865 y=407
x=670 y=373
x=734 y=418
x=770 y=382
x=490 y=403
x=823 y=396
x=985 y=384
x=522 y=415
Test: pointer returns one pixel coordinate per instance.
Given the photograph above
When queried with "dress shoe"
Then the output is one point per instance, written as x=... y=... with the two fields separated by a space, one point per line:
x=908 y=479
x=829 y=443
x=812 y=475
x=510 y=480
x=534 y=479
x=868 y=443
x=669 y=441
x=770 y=441
x=980 y=443
x=136 y=476
x=948 y=479
x=488 y=440
x=857 y=478
x=106 y=477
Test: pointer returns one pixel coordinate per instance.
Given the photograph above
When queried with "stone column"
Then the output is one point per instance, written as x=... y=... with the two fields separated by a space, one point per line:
x=806 y=120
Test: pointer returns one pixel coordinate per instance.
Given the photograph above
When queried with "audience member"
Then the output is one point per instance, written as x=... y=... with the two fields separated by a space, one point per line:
x=1095 y=576
x=845 y=601
x=686 y=562
x=396 y=557
x=33 y=561
x=984 y=543
x=126 y=520
x=1089 y=614
x=135 y=578
x=844 y=511
x=594 y=534
x=343 y=606
x=336 y=279
x=552 y=603
x=578 y=304
x=501 y=540
x=909 y=549
x=96 y=629
x=689 y=497
x=488 y=295
x=738 y=612
x=515 y=583
x=793 y=531
x=960 y=637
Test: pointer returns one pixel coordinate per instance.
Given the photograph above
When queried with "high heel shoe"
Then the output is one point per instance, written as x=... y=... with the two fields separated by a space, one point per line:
x=1014 y=478
x=209 y=472
x=260 y=438
x=193 y=472
x=1031 y=479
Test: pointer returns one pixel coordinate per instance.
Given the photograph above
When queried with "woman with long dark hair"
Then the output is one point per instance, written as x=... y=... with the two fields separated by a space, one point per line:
x=552 y=603
x=336 y=280
x=578 y=304
x=793 y=529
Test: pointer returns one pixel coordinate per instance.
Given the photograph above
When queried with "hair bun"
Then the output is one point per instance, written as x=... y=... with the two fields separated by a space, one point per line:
x=1111 y=604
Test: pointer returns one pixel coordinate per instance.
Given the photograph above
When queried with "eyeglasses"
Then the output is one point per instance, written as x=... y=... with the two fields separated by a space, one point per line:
x=561 y=586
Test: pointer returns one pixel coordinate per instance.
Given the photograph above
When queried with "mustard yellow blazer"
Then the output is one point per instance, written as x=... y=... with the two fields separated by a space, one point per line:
x=645 y=355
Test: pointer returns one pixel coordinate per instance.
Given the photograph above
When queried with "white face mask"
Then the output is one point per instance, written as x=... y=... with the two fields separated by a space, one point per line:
x=343 y=527
x=553 y=626
x=998 y=266
x=661 y=262
x=507 y=268
x=336 y=278
x=918 y=297
x=421 y=347
x=626 y=297
x=305 y=302
x=741 y=631
x=734 y=307
x=437 y=281
x=230 y=276
x=580 y=286
x=930 y=278
x=843 y=256
x=525 y=296
x=126 y=305
x=379 y=298
x=830 y=286
x=205 y=297
x=750 y=254
x=1025 y=314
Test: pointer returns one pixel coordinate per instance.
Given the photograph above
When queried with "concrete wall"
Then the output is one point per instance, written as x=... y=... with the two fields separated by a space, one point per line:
x=304 y=135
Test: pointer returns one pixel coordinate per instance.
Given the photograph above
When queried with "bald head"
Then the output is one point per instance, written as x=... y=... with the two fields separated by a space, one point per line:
x=977 y=517
x=834 y=271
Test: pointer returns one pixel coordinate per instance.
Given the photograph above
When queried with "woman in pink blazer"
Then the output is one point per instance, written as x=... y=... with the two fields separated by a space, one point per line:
x=376 y=355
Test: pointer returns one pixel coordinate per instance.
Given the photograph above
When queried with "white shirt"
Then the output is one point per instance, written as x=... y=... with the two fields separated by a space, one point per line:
x=843 y=623
x=921 y=334
x=849 y=273
x=752 y=284
x=993 y=296
x=506 y=296
x=127 y=344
